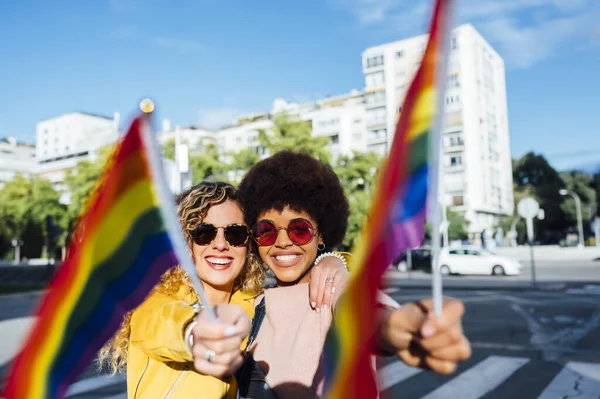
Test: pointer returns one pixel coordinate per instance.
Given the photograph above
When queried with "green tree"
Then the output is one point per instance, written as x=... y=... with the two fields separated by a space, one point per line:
x=291 y=133
x=239 y=163
x=457 y=226
x=533 y=170
x=81 y=180
x=357 y=175
x=506 y=222
x=243 y=160
x=207 y=165
x=24 y=205
x=582 y=184
x=168 y=149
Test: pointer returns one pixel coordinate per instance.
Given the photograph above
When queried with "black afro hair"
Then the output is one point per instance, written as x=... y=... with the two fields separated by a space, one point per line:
x=304 y=184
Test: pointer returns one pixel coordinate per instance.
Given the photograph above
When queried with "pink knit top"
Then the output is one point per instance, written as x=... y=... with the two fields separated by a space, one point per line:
x=290 y=343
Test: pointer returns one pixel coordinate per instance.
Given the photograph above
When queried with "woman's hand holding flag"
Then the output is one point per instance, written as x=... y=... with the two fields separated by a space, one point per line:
x=422 y=339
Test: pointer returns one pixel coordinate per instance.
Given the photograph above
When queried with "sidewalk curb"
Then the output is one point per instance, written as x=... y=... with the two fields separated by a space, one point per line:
x=22 y=294
x=474 y=285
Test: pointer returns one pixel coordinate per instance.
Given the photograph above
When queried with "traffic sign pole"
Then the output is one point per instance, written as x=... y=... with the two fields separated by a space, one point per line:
x=529 y=208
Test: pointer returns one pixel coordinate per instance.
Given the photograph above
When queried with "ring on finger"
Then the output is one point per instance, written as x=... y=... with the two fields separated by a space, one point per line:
x=329 y=280
x=208 y=355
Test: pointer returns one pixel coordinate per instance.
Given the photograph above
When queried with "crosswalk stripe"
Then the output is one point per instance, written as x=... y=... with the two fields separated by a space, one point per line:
x=575 y=379
x=91 y=384
x=391 y=374
x=479 y=379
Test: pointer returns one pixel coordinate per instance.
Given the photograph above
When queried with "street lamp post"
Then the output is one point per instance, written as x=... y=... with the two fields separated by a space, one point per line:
x=579 y=215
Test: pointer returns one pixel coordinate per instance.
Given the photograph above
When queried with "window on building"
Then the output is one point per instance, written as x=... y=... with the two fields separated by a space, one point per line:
x=453 y=43
x=458 y=200
x=376 y=61
x=335 y=139
x=399 y=53
x=453 y=81
x=455 y=160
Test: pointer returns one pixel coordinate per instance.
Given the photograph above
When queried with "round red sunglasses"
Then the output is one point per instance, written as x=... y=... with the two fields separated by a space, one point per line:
x=300 y=231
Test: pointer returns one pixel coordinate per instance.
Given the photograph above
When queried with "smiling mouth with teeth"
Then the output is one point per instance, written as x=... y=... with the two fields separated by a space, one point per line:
x=286 y=258
x=219 y=261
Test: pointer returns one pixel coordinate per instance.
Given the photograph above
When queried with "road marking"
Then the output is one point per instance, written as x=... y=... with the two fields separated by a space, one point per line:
x=480 y=379
x=392 y=373
x=589 y=289
x=576 y=379
x=97 y=382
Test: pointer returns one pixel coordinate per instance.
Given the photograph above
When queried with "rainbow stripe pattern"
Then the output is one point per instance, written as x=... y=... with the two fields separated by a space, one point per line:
x=121 y=248
x=395 y=223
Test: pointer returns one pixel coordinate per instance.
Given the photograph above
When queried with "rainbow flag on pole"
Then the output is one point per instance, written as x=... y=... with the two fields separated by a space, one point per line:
x=396 y=219
x=126 y=239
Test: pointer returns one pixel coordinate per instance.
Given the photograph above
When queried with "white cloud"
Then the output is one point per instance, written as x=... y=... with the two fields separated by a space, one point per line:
x=183 y=46
x=523 y=46
x=524 y=31
x=216 y=118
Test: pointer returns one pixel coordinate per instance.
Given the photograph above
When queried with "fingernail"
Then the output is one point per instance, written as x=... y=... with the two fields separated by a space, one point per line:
x=325 y=308
x=333 y=290
x=318 y=310
x=231 y=331
x=427 y=331
x=313 y=304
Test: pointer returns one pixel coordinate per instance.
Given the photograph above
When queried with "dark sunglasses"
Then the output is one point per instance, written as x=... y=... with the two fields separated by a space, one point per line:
x=236 y=235
x=300 y=232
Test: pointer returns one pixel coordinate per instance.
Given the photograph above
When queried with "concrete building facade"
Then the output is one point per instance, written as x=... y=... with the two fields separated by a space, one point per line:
x=477 y=168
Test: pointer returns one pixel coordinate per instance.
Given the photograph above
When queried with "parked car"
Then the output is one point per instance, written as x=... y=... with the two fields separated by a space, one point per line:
x=476 y=260
x=420 y=259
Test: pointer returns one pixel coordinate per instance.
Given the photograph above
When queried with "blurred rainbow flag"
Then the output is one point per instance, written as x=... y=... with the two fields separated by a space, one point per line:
x=126 y=239
x=396 y=219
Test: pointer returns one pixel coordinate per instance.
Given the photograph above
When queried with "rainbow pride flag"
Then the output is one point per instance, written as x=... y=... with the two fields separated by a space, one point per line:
x=122 y=245
x=396 y=221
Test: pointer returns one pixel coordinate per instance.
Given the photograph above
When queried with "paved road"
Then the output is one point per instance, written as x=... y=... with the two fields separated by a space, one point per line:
x=581 y=271
x=527 y=344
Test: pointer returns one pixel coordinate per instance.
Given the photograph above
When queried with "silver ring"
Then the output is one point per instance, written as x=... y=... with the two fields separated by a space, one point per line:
x=208 y=355
x=329 y=280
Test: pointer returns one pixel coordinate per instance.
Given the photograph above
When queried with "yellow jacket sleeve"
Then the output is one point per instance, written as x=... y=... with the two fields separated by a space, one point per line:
x=157 y=328
x=347 y=256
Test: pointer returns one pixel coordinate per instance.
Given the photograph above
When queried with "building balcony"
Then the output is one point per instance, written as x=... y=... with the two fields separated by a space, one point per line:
x=375 y=104
x=371 y=69
x=373 y=140
x=375 y=123
x=454 y=148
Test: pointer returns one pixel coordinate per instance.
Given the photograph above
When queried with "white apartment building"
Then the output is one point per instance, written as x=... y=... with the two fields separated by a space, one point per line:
x=15 y=158
x=477 y=182
x=340 y=118
x=195 y=137
x=65 y=140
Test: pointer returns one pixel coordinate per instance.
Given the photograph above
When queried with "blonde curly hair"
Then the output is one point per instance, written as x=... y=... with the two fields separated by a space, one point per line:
x=192 y=206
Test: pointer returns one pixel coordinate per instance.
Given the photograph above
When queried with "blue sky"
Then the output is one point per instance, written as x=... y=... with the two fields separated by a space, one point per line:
x=207 y=61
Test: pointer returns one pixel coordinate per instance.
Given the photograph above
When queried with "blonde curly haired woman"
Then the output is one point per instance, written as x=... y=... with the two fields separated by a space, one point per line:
x=153 y=345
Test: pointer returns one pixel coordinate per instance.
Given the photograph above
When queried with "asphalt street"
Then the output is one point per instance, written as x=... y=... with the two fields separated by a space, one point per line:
x=527 y=343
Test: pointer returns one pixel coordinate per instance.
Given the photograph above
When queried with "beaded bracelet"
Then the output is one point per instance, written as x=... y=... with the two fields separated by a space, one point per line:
x=335 y=255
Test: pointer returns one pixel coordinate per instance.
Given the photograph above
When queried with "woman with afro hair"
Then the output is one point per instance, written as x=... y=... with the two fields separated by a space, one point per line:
x=298 y=213
x=156 y=343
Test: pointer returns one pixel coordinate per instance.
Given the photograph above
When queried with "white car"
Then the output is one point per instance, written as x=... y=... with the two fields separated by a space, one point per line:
x=476 y=260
